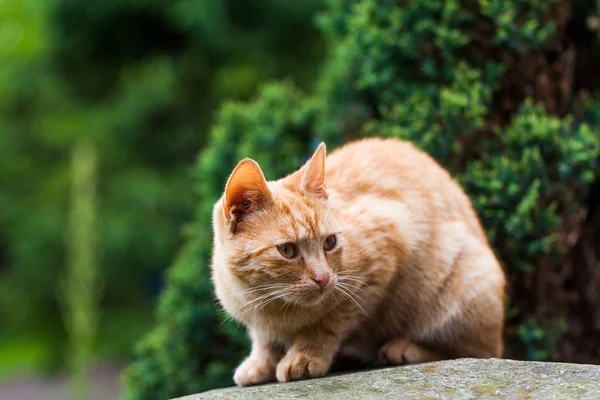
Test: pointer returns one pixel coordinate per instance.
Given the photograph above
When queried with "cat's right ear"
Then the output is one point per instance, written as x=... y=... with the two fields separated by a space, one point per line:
x=246 y=191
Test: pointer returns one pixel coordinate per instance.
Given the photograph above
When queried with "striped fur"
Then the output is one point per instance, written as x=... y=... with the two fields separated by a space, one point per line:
x=412 y=276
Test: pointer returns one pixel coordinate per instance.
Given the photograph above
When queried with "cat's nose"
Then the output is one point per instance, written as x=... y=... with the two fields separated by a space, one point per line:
x=322 y=279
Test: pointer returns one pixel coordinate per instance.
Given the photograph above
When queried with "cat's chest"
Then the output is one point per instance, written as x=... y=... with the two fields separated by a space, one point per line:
x=281 y=328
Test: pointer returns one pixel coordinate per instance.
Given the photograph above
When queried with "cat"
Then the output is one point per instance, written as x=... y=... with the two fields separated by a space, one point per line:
x=372 y=252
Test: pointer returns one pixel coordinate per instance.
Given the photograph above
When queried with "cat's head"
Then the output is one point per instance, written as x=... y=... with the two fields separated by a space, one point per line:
x=279 y=237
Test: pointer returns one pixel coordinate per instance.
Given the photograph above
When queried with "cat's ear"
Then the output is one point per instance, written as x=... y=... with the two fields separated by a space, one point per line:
x=246 y=191
x=313 y=179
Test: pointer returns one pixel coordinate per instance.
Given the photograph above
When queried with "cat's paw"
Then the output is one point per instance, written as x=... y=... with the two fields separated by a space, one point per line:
x=298 y=365
x=254 y=372
x=400 y=351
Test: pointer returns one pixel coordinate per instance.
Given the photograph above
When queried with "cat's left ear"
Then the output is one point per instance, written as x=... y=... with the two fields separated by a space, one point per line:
x=246 y=191
x=313 y=180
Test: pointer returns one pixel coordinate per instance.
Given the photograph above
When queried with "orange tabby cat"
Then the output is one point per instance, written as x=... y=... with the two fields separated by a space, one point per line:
x=374 y=253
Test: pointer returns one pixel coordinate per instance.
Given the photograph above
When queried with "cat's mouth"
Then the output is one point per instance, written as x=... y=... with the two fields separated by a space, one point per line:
x=317 y=295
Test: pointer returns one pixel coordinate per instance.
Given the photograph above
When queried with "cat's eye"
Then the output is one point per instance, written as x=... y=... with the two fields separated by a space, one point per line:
x=288 y=250
x=329 y=243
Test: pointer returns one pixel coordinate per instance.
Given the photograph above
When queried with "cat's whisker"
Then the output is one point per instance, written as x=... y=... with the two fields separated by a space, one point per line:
x=259 y=288
x=349 y=296
x=359 y=279
x=266 y=297
x=372 y=290
x=229 y=317
x=345 y=294
x=354 y=288
x=262 y=288
x=258 y=299
x=293 y=301
x=267 y=303
x=355 y=278
x=347 y=272
x=222 y=311
x=262 y=305
x=296 y=300
x=356 y=298
x=286 y=305
x=352 y=277
x=337 y=302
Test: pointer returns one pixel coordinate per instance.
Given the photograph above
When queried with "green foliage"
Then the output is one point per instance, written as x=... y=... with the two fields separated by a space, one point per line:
x=520 y=23
x=538 y=340
x=430 y=72
x=537 y=167
x=141 y=79
x=80 y=285
x=437 y=121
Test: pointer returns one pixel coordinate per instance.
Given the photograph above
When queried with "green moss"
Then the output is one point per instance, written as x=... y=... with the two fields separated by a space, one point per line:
x=485 y=389
x=431 y=367
x=573 y=390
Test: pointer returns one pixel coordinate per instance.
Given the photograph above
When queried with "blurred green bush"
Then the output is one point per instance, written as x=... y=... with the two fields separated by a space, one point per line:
x=495 y=90
x=141 y=79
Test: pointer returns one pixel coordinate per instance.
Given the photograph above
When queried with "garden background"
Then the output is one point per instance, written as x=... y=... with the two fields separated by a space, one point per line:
x=120 y=122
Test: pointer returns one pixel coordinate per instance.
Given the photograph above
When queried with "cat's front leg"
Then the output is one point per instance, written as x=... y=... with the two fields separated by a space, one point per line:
x=309 y=357
x=260 y=365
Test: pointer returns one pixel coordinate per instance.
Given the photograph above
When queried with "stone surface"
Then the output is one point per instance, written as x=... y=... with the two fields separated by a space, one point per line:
x=454 y=379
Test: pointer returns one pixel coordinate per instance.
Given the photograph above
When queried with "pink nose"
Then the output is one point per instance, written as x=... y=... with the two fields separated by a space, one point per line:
x=322 y=279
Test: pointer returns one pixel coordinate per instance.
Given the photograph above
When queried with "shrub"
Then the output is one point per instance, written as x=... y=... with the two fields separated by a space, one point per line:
x=485 y=87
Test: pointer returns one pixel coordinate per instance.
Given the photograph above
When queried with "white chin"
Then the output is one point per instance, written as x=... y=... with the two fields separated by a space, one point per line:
x=313 y=300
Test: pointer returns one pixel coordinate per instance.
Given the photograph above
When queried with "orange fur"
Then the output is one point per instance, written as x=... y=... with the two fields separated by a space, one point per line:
x=412 y=277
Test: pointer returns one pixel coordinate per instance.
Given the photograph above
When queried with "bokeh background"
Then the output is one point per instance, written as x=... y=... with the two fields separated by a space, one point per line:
x=121 y=120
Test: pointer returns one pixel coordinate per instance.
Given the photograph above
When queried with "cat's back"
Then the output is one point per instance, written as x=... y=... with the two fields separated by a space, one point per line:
x=378 y=162
x=394 y=169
